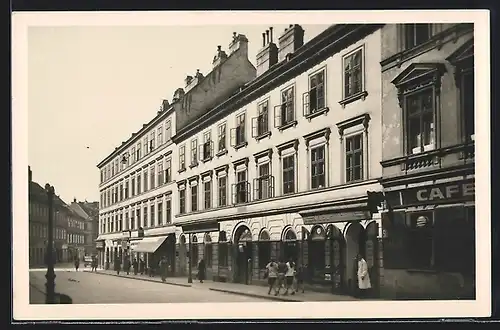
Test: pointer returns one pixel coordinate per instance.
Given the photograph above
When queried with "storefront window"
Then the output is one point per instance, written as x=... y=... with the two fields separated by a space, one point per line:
x=194 y=254
x=317 y=252
x=264 y=249
x=420 y=243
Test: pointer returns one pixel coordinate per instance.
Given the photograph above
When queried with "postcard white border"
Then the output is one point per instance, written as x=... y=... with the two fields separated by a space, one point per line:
x=21 y=21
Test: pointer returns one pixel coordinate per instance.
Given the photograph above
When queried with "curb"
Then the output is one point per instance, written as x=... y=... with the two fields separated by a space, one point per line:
x=254 y=295
x=142 y=279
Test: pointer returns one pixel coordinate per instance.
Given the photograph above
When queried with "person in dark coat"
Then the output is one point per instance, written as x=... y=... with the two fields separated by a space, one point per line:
x=141 y=266
x=77 y=263
x=163 y=268
x=126 y=265
x=136 y=266
x=201 y=270
x=117 y=265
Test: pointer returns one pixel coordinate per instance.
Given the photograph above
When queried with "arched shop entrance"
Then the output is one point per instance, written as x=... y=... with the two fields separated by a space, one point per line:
x=182 y=255
x=243 y=244
x=371 y=253
x=316 y=243
x=335 y=257
x=264 y=247
x=355 y=243
x=290 y=246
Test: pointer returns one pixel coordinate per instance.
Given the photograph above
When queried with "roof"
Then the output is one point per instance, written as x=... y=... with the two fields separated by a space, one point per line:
x=37 y=192
x=76 y=208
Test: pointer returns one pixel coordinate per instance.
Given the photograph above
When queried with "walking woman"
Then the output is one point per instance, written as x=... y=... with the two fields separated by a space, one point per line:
x=272 y=274
x=201 y=270
x=163 y=268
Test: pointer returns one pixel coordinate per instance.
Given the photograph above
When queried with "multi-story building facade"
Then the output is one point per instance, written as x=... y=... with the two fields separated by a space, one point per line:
x=89 y=240
x=283 y=168
x=76 y=234
x=38 y=225
x=136 y=191
x=92 y=211
x=428 y=160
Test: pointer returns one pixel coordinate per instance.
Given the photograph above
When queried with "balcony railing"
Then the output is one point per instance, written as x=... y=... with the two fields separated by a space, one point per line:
x=240 y=192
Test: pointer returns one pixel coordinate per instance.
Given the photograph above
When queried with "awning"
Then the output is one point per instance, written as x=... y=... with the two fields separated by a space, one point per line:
x=149 y=244
x=201 y=227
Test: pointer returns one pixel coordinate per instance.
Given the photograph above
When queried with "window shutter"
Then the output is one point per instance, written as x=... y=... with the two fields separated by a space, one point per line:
x=277 y=116
x=233 y=133
x=233 y=193
x=255 y=124
x=255 y=189
x=305 y=103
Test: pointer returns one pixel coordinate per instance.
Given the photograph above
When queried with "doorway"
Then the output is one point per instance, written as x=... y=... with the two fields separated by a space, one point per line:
x=355 y=237
x=243 y=240
x=290 y=246
x=182 y=255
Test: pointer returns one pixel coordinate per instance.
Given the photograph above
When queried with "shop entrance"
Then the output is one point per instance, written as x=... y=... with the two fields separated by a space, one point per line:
x=170 y=254
x=335 y=247
x=182 y=255
x=290 y=246
x=243 y=241
x=355 y=237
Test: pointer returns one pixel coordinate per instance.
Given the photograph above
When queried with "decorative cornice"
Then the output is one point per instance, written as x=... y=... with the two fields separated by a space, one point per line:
x=289 y=144
x=263 y=153
x=207 y=173
x=223 y=168
x=241 y=161
x=363 y=119
x=324 y=132
x=181 y=182
x=193 y=178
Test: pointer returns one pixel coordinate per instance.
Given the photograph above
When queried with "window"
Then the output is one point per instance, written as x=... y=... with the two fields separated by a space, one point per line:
x=132 y=155
x=222 y=185
x=260 y=124
x=467 y=98
x=132 y=220
x=207 y=194
x=416 y=34
x=146 y=146
x=354 y=157
x=221 y=137
x=160 y=136
x=121 y=191
x=264 y=184
x=241 y=188
x=314 y=100
x=420 y=239
x=182 y=158
x=152 y=215
x=284 y=113
x=194 y=152
x=194 y=198
x=138 y=151
x=420 y=121
x=127 y=223
x=138 y=216
x=113 y=169
x=288 y=174
x=207 y=147
x=160 y=173
x=238 y=138
x=152 y=176
x=353 y=74
x=145 y=219
x=168 y=210
x=126 y=189
x=182 y=201
x=318 y=167
x=145 y=179
x=138 y=183
x=168 y=170
x=152 y=141
x=168 y=130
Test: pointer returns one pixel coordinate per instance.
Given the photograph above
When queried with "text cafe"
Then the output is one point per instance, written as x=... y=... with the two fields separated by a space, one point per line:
x=429 y=240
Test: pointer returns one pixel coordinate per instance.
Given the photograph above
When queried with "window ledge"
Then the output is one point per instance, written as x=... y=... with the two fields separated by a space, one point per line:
x=221 y=153
x=204 y=160
x=352 y=98
x=317 y=113
x=182 y=170
x=193 y=165
x=283 y=127
x=241 y=145
x=263 y=135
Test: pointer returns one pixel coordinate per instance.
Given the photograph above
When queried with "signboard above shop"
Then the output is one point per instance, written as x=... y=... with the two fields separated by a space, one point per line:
x=202 y=227
x=336 y=217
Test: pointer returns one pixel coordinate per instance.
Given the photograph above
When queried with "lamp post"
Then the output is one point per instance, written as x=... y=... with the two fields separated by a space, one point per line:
x=190 y=276
x=50 y=276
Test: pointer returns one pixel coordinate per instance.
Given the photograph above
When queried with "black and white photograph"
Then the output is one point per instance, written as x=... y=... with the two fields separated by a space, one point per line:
x=207 y=165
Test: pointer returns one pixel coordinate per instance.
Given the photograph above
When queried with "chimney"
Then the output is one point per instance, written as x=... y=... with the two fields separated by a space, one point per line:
x=191 y=82
x=291 y=40
x=219 y=57
x=240 y=42
x=268 y=55
x=178 y=94
x=74 y=200
x=188 y=80
x=29 y=174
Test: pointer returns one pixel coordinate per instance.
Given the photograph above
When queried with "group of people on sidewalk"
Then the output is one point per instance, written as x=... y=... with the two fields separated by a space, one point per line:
x=287 y=276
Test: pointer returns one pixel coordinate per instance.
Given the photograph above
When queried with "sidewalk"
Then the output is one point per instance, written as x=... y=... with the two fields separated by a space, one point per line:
x=257 y=291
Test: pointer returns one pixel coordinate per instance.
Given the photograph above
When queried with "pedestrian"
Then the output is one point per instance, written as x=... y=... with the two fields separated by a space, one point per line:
x=136 y=266
x=77 y=263
x=126 y=265
x=281 y=277
x=141 y=266
x=299 y=277
x=271 y=274
x=201 y=270
x=289 y=276
x=93 y=264
x=117 y=265
x=163 y=268
x=364 y=283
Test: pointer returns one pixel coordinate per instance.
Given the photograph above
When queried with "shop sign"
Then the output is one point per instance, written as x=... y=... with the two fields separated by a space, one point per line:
x=336 y=217
x=200 y=227
x=99 y=244
x=448 y=192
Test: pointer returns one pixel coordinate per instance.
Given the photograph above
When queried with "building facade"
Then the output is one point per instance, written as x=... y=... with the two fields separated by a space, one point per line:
x=284 y=168
x=136 y=191
x=81 y=211
x=38 y=225
x=428 y=160
x=76 y=234
x=92 y=211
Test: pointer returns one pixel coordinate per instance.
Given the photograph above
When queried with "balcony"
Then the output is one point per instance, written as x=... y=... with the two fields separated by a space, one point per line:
x=240 y=192
x=263 y=187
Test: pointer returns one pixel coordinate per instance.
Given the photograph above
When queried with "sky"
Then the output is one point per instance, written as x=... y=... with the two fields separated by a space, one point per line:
x=91 y=87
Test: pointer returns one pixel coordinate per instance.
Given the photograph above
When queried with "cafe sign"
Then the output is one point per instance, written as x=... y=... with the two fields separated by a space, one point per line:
x=448 y=192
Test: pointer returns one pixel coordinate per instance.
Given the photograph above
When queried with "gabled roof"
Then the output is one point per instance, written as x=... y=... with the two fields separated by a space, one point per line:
x=76 y=208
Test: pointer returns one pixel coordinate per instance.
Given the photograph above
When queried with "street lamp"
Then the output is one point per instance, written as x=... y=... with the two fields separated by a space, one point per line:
x=50 y=276
x=190 y=276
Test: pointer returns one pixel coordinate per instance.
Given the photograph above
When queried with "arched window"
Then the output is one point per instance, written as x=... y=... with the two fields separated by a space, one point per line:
x=290 y=246
x=208 y=250
x=264 y=248
x=317 y=252
x=194 y=253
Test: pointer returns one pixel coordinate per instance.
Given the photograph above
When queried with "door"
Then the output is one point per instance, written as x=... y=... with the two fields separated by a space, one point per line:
x=371 y=252
x=243 y=262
